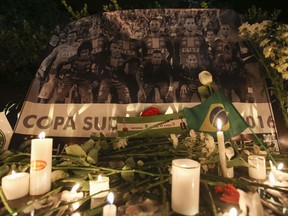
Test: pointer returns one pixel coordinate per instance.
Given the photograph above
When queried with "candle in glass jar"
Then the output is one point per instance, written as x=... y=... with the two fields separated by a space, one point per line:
x=257 y=168
x=221 y=148
x=40 y=165
x=185 y=186
x=15 y=185
x=110 y=209
x=96 y=186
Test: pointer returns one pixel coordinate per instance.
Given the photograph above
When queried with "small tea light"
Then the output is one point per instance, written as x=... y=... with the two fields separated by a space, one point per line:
x=110 y=209
x=15 y=185
x=96 y=186
x=68 y=196
x=257 y=170
x=233 y=212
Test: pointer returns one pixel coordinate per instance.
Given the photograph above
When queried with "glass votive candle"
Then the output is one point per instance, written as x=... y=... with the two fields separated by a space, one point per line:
x=185 y=186
x=257 y=168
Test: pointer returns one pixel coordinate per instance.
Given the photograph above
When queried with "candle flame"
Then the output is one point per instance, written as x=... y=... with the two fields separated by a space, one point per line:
x=99 y=178
x=280 y=166
x=42 y=135
x=272 y=178
x=75 y=188
x=13 y=173
x=219 y=124
x=110 y=198
x=233 y=212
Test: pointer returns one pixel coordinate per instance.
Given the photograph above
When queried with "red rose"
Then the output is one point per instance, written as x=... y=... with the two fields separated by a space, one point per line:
x=229 y=193
x=150 y=112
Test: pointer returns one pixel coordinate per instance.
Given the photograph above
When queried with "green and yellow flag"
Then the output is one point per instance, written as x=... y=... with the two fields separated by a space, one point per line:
x=203 y=117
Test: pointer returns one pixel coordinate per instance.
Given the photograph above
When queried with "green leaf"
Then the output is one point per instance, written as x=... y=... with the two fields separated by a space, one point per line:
x=104 y=144
x=5 y=155
x=88 y=145
x=75 y=150
x=93 y=156
x=236 y=162
x=4 y=170
x=130 y=162
x=128 y=176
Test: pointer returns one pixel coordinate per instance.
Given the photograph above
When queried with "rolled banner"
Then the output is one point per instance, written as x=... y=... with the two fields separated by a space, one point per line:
x=6 y=132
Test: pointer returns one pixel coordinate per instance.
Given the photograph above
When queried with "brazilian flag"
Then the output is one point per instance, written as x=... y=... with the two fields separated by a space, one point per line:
x=203 y=117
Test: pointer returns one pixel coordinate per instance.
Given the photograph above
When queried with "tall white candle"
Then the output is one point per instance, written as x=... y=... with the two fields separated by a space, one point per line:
x=40 y=165
x=101 y=184
x=15 y=185
x=257 y=170
x=110 y=209
x=185 y=186
x=221 y=148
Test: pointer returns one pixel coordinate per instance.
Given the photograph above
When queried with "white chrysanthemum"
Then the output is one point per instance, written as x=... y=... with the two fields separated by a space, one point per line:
x=122 y=143
x=202 y=136
x=174 y=139
x=193 y=134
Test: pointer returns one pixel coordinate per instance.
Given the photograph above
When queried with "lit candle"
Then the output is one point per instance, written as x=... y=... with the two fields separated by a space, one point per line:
x=221 y=148
x=257 y=168
x=96 y=186
x=279 y=175
x=110 y=209
x=72 y=195
x=15 y=185
x=40 y=165
x=185 y=186
x=233 y=212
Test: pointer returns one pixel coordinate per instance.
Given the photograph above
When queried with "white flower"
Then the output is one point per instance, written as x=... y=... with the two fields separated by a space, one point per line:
x=174 y=139
x=122 y=143
x=202 y=136
x=205 y=77
x=193 y=134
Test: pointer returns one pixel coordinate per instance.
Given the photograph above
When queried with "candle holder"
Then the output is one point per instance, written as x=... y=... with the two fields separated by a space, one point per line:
x=185 y=186
x=257 y=170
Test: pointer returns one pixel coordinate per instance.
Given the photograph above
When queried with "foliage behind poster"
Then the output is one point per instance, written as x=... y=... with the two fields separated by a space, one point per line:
x=119 y=63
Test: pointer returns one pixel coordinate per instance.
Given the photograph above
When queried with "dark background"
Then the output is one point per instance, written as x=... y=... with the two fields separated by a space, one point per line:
x=27 y=26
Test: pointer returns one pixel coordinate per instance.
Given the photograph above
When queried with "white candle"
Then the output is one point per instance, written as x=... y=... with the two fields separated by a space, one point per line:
x=15 y=185
x=110 y=209
x=40 y=165
x=221 y=148
x=96 y=186
x=229 y=152
x=73 y=195
x=185 y=186
x=257 y=170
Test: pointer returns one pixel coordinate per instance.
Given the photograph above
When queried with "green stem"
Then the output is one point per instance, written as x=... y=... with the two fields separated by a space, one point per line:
x=5 y=202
